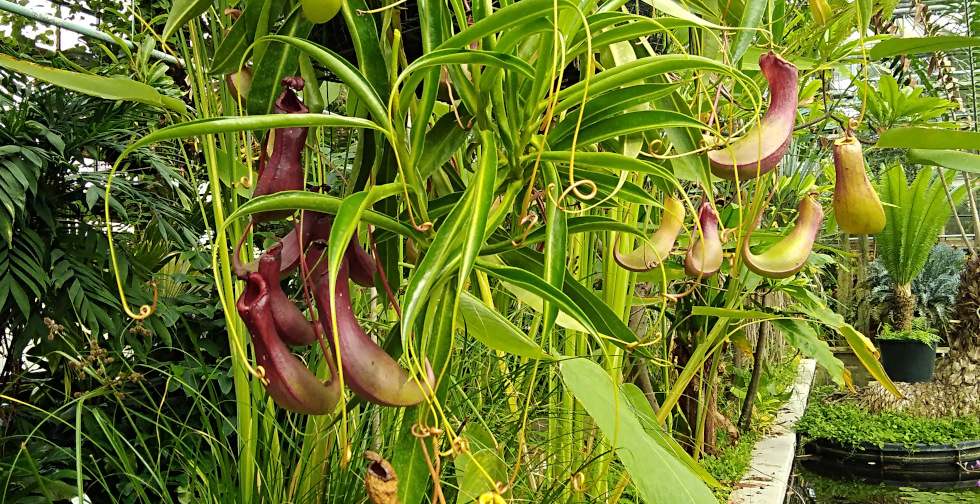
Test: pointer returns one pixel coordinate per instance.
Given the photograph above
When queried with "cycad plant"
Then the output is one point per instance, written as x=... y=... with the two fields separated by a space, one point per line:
x=934 y=288
x=916 y=214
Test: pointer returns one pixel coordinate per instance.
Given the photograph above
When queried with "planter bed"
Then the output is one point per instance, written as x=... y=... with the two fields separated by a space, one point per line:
x=924 y=465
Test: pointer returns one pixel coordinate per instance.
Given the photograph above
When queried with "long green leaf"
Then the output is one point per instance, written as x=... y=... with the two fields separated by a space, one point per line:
x=644 y=412
x=181 y=12
x=229 y=53
x=641 y=70
x=914 y=45
x=928 y=138
x=599 y=314
x=659 y=476
x=751 y=17
x=864 y=9
x=346 y=72
x=800 y=335
x=95 y=85
x=512 y=15
x=585 y=224
x=605 y=161
x=555 y=245
x=865 y=351
x=279 y=60
x=537 y=286
x=364 y=34
x=428 y=271
x=954 y=160
x=413 y=75
x=490 y=328
x=305 y=200
x=631 y=122
x=480 y=192
x=611 y=103
x=218 y=125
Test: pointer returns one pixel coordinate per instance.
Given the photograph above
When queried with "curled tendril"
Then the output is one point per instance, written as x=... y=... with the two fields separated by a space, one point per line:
x=461 y=445
x=631 y=346
x=653 y=148
x=569 y=189
x=421 y=431
x=578 y=482
x=245 y=182
x=527 y=222
x=145 y=310
x=852 y=125
x=702 y=147
x=258 y=372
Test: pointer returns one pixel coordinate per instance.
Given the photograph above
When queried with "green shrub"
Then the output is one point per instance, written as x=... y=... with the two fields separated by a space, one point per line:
x=920 y=334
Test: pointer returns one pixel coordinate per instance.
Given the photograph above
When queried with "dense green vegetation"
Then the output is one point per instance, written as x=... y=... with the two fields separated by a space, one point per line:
x=565 y=286
x=851 y=425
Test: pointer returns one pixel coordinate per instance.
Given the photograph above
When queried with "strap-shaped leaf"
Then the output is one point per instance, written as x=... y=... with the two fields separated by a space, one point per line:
x=598 y=313
x=218 y=125
x=952 y=159
x=641 y=70
x=346 y=72
x=480 y=192
x=95 y=85
x=228 y=55
x=429 y=270
x=510 y=16
x=305 y=200
x=493 y=330
x=181 y=12
x=631 y=122
x=751 y=17
x=278 y=61
x=915 y=45
x=537 y=286
x=608 y=104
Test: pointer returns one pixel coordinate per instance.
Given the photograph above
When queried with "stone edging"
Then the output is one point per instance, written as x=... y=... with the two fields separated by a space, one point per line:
x=772 y=457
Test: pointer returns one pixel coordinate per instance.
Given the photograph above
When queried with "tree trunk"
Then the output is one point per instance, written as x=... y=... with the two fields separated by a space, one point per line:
x=904 y=307
x=745 y=419
x=845 y=278
x=641 y=370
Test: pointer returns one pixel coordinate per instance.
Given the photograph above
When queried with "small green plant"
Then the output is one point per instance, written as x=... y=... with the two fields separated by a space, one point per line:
x=851 y=425
x=919 y=332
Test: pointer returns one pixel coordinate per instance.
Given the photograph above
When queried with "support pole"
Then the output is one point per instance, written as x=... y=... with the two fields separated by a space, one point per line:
x=20 y=10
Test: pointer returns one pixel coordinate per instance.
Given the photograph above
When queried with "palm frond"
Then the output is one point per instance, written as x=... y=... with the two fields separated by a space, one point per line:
x=916 y=215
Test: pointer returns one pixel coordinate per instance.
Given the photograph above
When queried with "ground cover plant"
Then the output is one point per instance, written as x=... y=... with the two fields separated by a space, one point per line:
x=508 y=261
x=851 y=424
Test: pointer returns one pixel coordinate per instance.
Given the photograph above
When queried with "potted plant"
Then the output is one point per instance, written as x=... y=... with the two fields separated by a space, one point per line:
x=909 y=356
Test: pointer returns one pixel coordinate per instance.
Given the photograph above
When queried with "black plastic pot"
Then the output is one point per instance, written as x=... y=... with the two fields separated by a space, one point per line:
x=908 y=361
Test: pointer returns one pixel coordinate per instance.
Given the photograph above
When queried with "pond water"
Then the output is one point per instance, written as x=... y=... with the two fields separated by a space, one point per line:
x=834 y=485
x=809 y=488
